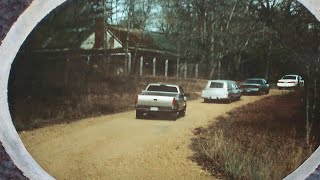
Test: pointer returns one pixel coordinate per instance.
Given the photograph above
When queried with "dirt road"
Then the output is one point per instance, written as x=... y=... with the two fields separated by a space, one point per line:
x=121 y=147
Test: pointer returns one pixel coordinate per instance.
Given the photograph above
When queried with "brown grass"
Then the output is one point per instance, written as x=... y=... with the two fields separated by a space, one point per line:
x=263 y=140
x=42 y=106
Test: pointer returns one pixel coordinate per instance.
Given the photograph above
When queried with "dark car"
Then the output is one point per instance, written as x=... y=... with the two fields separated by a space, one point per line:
x=255 y=85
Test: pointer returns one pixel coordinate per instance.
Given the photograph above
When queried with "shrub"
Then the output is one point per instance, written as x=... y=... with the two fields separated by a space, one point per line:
x=263 y=140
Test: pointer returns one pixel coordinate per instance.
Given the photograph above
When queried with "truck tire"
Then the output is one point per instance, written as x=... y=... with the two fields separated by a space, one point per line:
x=267 y=91
x=139 y=114
x=182 y=113
x=205 y=100
x=173 y=116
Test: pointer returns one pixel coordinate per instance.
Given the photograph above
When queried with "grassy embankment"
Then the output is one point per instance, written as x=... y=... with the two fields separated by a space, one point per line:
x=44 y=105
x=263 y=140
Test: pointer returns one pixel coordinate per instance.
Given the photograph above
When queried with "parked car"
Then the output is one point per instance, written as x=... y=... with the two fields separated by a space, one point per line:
x=255 y=85
x=224 y=90
x=290 y=81
x=161 y=98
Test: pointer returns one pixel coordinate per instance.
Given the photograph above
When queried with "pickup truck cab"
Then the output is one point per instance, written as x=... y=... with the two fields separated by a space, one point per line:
x=161 y=98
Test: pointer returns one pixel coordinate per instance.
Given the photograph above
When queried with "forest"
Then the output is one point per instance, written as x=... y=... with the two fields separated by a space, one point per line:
x=235 y=39
x=268 y=37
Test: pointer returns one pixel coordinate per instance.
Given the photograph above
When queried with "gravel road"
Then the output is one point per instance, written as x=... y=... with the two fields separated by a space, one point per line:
x=120 y=147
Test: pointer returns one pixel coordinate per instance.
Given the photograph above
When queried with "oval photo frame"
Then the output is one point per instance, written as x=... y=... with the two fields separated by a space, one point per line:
x=9 y=137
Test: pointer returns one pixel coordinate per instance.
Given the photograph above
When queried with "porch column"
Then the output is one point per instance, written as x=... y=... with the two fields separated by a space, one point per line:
x=166 y=68
x=154 y=67
x=129 y=63
x=185 y=70
x=197 y=71
x=141 y=65
x=178 y=68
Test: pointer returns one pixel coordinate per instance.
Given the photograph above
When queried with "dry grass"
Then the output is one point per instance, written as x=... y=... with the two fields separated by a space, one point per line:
x=263 y=140
x=44 y=106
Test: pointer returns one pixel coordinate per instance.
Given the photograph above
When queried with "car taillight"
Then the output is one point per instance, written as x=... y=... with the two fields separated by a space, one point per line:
x=174 y=103
x=292 y=82
x=136 y=100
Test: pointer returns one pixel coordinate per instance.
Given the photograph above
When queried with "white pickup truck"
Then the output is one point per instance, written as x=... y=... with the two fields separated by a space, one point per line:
x=161 y=98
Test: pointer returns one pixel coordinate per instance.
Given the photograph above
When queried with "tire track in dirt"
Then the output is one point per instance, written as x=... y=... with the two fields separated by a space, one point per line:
x=120 y=147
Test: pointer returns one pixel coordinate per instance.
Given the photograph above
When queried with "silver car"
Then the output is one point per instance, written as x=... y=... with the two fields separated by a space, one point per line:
x=224 y=90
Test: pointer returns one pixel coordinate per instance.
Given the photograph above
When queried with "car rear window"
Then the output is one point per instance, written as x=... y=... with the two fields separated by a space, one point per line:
x=289 y=77
x=253 y=81
x=162 y=88
x=216 y=85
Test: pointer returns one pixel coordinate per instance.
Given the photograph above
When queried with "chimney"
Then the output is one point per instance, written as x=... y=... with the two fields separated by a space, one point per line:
x=99 y=33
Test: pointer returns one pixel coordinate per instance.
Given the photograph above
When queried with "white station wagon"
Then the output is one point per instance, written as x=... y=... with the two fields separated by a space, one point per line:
x=221 y=90
x=290 y=81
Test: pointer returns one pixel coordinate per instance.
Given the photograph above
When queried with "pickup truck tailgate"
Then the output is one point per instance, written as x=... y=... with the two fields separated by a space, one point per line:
x=155 y=101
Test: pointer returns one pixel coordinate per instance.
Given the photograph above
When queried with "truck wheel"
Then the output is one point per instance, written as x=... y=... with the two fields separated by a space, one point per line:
x=173 y=116
x=139 y=114
x=182 y=113
x=205 y=100
x=267 y=91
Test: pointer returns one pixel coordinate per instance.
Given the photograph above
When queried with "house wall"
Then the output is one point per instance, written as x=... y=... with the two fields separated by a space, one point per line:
x=90 y=42
x=113 y=43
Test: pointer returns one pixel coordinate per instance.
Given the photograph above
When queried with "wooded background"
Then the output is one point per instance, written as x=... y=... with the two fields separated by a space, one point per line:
x=234 y=39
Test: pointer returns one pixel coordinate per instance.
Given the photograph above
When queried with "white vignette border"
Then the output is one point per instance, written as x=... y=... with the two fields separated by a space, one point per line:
x=9 y=137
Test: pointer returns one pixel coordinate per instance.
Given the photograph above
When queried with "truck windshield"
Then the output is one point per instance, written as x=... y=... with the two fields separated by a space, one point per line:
x=162 y=88
x=216 y=85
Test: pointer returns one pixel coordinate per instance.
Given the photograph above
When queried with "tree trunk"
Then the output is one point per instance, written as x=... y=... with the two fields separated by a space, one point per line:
x=308 y=119
x=212 y=71
x=238 y=59
x=129 y=25
x=267 y=73
x=219 y=69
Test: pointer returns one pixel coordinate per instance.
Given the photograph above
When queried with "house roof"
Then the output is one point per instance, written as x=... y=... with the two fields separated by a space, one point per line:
x=73 y=38
x=66 y=27
x=143 y=39
x=63 y=29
